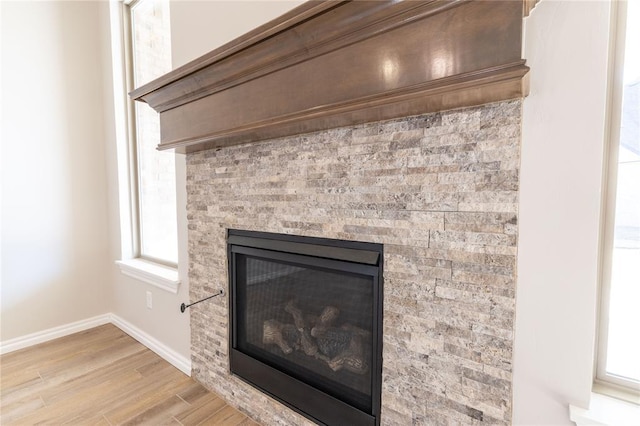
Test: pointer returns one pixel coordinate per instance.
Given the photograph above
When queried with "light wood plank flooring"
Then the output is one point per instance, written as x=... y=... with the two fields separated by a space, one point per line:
x=103 y=377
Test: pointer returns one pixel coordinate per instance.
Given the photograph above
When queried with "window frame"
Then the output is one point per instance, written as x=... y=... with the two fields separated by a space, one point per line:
x=147 y=270
x=132 y=136
x=132 y=163
x=603 y=381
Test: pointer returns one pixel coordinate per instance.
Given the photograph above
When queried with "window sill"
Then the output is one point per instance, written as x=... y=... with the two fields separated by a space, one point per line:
x=155 y=274
x=604 y=410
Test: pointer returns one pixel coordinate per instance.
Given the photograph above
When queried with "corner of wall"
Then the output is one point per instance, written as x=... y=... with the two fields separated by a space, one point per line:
x=560 y=209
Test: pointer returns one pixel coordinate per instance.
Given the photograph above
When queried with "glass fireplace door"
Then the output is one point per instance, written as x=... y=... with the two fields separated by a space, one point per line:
x=314 y=320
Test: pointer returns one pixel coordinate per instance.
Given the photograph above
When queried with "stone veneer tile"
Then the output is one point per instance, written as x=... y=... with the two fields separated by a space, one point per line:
x=440 y=191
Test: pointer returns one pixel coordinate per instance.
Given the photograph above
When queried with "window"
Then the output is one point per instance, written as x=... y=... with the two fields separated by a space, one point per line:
x=141 y=52
x=153 y=172
x=619 y=344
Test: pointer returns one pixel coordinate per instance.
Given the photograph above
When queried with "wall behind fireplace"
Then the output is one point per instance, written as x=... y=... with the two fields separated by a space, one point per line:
x=440 y=191
x=544 y=378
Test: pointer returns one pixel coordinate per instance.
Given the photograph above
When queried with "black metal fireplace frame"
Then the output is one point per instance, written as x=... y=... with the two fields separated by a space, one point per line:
x=301 y=397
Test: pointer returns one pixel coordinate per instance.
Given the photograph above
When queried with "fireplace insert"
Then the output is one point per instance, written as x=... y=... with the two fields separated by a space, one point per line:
x=306 y=323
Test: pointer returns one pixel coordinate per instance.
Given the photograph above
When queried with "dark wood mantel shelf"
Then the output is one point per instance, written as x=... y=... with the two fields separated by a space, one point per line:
x=327 y=64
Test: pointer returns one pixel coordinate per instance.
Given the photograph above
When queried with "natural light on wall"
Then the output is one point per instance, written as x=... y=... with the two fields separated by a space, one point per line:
x=156 y=201
x=620 y=352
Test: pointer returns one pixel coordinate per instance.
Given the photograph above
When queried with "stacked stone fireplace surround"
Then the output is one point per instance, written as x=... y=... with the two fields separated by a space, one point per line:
x=440 y=191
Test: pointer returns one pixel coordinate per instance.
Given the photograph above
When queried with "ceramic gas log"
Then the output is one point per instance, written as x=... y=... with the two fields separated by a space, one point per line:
x=340 y=347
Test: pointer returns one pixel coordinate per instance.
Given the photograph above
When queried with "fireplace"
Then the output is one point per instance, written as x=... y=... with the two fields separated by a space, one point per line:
x=306 y=316
x=396 y=123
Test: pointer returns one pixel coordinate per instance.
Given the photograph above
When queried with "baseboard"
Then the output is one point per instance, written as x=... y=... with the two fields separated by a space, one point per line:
x=52 y=333
x=181 y=362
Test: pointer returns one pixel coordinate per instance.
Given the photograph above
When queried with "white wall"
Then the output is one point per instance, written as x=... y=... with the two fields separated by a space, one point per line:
x=197 y=27
x=567 y=48
x=54 y=223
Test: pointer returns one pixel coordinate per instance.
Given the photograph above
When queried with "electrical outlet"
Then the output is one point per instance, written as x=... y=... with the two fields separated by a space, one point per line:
x=149 y=300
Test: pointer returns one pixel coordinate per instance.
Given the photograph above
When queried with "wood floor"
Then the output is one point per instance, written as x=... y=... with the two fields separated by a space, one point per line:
x=103 y=377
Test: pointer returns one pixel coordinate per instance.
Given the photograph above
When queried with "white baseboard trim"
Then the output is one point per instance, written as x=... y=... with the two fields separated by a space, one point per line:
x=52 y=333
x=181 y=362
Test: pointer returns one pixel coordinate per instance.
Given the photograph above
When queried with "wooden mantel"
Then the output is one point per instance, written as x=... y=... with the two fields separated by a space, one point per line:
x=327 y=64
